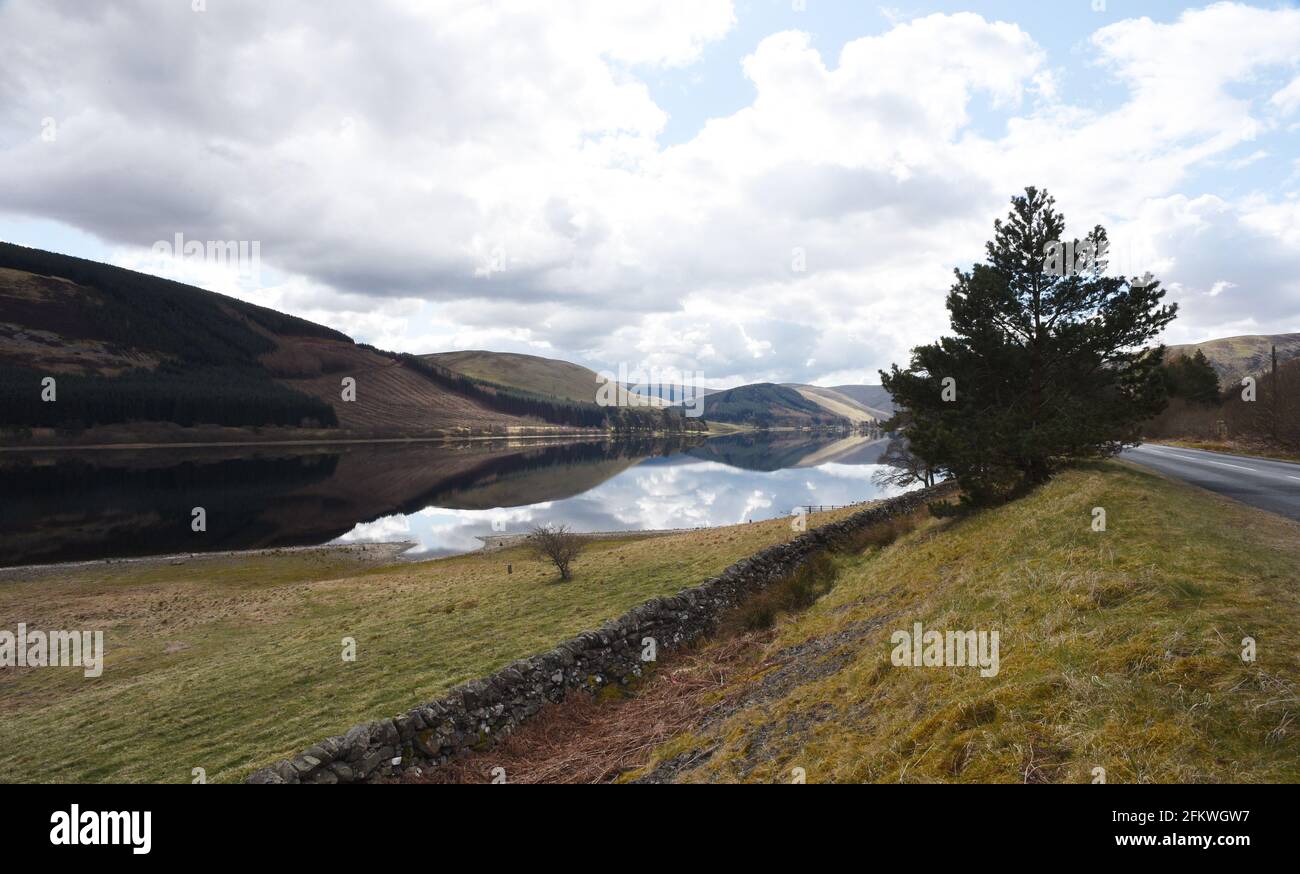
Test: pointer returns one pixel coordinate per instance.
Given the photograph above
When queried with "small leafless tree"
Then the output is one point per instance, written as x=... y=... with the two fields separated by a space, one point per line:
x=901 y=467
x=556 y=544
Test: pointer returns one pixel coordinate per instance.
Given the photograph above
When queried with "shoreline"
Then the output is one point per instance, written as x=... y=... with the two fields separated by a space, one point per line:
x=377 y=551
x=579 y=436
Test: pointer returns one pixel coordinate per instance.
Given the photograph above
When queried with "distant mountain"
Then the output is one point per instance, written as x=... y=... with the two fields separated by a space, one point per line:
x=672 y=394
x=768 y=405
x=871 y=396
x=837 y=403
x=139 y=358
x=1235 y=357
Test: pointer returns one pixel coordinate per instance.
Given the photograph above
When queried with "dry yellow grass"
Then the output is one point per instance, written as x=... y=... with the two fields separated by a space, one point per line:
x=230 y=663
x=1119 y=650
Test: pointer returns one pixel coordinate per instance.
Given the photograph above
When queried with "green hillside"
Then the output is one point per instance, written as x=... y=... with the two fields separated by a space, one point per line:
x=1235 y=357
x=768 y=405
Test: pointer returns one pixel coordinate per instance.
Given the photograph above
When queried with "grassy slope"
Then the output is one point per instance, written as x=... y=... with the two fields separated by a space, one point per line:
x=390 y=398
x=1118 y=649
x=873 y=397
x=531 y=373
x=261 y=676
x=1235 y=357
x=834 y=403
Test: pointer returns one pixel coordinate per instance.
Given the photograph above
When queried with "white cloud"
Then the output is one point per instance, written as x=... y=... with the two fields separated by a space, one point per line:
x=490 y=175
x=1287 y=100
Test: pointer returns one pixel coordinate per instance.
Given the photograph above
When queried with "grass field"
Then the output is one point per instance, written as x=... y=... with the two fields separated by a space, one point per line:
x=1119 y=650
x=231 y=663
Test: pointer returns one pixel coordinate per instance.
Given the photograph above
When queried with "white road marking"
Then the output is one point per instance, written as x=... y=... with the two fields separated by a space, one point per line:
x=1161 y=449
x=1202 y=460
x=1200 y=457
x=1224 y=464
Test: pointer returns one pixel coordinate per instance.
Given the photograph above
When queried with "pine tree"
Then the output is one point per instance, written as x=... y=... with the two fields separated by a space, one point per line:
x=1047 y=361
x=1192 y=378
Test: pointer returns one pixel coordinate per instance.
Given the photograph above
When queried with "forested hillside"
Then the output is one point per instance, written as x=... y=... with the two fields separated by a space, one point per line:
x=126 y=346
x=126 y=349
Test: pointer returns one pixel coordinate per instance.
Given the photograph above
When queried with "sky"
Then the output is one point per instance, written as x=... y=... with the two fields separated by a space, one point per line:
x=760 y=190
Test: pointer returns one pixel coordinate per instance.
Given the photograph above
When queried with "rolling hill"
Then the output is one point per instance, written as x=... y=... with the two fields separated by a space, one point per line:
x=137 y=358
x=873 y=397
x=768 y=405
x=837 y=403
x=1235 y=357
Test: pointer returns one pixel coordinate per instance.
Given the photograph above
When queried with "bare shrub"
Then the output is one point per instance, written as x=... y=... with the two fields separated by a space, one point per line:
x=556 y=544
x=900 y=467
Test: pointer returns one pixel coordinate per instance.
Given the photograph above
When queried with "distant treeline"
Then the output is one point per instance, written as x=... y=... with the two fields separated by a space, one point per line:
x=230 y=395
x=1201 y=409
x=552 y=409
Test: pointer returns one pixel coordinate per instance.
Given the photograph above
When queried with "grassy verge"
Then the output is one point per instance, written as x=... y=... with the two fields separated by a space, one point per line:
x=1118 y=650
x=230 y=663
x=1275 y=453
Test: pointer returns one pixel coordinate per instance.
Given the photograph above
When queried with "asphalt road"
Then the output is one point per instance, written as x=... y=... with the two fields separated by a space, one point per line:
x=1260 y=482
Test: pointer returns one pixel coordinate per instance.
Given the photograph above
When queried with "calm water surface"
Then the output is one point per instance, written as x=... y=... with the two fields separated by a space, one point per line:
x=113 y=504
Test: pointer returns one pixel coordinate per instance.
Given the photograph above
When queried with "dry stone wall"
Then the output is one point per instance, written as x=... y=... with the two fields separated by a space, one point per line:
x=472 y=716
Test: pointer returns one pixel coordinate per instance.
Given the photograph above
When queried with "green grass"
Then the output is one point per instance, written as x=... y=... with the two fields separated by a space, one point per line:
x=230 y=663
x=1119 y=649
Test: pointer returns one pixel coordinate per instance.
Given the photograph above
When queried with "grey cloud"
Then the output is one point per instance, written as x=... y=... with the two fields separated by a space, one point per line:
x=830 y=191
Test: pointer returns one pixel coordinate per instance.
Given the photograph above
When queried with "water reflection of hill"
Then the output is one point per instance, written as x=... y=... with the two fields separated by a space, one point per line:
x=530 y=477
x=87 y=507
x=781 y=450
x=119 y=504
x=65 y=507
